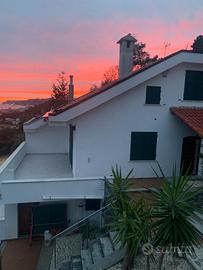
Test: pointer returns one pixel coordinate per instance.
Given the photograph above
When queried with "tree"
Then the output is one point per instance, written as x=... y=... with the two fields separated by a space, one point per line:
x=197 y=45
x=142 y=58
x=110 y=75
x=60 y=90
x=175 y=207
x=131 y=220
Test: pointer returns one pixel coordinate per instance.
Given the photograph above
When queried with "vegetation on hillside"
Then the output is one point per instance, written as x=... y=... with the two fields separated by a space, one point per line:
x=11 y=137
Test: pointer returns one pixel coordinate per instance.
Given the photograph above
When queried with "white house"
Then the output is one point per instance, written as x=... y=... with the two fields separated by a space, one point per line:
x=154 y=114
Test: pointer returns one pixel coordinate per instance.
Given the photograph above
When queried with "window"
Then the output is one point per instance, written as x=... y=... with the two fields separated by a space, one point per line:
x=143 y=146
x=92 y=204
x=193 y=85
x=153 y=95
x=128 y=44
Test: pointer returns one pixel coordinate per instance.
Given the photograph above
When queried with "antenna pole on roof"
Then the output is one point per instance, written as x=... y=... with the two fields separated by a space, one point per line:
x=166 y=45
x=186 y=47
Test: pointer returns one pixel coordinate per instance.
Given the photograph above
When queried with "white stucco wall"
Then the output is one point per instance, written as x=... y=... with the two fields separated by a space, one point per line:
x=9 y=227
x=102 y=136
x=75 y=210
x=48 y=139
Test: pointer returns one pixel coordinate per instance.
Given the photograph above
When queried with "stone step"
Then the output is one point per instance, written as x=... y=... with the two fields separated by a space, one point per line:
x=65 y=266
x=106 y=245
x=76 y=263
x=45 y=257
x=116 y=244
x=96 y=252
x=86 y=258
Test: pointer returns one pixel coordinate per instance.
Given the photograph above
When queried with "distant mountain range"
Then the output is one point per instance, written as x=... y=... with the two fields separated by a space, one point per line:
x=21 y=104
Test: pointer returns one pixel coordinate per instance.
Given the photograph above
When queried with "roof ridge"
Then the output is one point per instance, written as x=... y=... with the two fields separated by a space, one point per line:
x=91 y=94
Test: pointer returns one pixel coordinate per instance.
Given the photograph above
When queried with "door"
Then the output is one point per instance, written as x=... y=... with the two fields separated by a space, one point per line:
x=24 y=218
x=49 y=217
x=190 y=155
x=71 y=138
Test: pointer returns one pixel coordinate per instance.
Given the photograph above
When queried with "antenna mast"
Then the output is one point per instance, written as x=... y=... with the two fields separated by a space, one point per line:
x=166 y=45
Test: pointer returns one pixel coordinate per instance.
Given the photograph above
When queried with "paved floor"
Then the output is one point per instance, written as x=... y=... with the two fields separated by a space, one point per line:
x=18 y=255
x=42 y=166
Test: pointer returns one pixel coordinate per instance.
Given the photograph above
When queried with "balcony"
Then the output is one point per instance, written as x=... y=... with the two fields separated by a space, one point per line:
x=26 y=177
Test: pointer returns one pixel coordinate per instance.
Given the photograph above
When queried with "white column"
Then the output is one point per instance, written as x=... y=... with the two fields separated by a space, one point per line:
x=200 y=165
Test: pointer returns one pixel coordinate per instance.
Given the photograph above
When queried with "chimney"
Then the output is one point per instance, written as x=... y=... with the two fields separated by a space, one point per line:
x=71 y=89
x=126 y=55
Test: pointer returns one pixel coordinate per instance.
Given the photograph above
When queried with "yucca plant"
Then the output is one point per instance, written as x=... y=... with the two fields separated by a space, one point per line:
x=117 y=188
x=175 y=208
x=133 y=227
x=131 y=220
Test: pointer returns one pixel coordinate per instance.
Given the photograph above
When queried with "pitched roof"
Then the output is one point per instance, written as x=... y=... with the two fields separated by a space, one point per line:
x=94 y=93
x=128 y=37
x=191 y=116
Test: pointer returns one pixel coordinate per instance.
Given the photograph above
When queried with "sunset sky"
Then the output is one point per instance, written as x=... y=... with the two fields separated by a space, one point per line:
x=39 y=38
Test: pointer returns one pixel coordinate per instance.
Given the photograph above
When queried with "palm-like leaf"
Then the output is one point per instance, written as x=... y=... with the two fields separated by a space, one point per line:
x=174 y=209
x=117 y=189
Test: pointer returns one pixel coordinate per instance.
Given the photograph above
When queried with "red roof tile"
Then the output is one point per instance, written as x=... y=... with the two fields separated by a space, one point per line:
x=191 y=116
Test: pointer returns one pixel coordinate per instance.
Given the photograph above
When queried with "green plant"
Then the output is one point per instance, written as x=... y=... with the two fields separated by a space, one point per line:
x=117 y=189
x=131 y=220
x=174 y=210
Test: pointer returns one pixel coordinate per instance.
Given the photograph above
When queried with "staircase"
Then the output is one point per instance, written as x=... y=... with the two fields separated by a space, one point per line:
x=87 y=244
x=102 y=253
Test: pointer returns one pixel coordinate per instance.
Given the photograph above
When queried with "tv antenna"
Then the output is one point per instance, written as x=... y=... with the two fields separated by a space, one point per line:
x=186 y=47
x=166 y=46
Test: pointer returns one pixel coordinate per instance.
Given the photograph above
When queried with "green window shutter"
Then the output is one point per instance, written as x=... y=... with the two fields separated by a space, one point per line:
x=193 y=85
x=143 y=145
x=153 y=95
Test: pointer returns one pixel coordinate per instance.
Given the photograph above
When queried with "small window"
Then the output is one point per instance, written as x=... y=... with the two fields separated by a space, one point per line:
x=193 y=85
x=143 y=145
x=153 y=95
x=92 y=204
x=128 y=44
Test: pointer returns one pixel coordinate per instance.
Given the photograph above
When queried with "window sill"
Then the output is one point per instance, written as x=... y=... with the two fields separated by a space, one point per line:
x=159 y=105
x=194 y=100
x=141 y=160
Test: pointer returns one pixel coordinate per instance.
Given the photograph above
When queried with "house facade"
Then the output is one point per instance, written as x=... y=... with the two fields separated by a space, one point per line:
x=153 y=115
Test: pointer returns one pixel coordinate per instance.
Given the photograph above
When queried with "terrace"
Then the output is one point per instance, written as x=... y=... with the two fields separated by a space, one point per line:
x=26 y=177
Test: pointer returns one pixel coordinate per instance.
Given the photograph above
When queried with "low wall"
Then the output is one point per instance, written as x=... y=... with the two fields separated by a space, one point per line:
x=7 y=169
x=20 y=191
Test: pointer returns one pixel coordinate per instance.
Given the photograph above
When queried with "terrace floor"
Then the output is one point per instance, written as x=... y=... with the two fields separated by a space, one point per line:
x=44 y=166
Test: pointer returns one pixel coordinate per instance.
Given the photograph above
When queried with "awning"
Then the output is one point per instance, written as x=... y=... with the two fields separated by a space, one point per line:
x=191 y=116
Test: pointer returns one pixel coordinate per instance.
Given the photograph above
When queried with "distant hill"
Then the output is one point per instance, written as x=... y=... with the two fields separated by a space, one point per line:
x=27 y=102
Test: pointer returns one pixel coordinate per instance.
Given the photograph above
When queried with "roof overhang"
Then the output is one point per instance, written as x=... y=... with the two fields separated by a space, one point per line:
x=191 y=116
x=93 y=100
x=96 y=98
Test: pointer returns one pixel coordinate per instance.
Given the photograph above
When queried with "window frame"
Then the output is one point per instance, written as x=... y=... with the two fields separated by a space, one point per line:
x=143 y=156
x=189 y=85
x=149 y=88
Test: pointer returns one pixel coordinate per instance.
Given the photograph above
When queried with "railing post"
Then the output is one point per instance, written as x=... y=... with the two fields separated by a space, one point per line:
x=55 y=262
x=88 y=233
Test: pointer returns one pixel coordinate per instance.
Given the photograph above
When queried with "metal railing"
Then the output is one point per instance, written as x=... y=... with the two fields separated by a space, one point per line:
x=79 y=235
